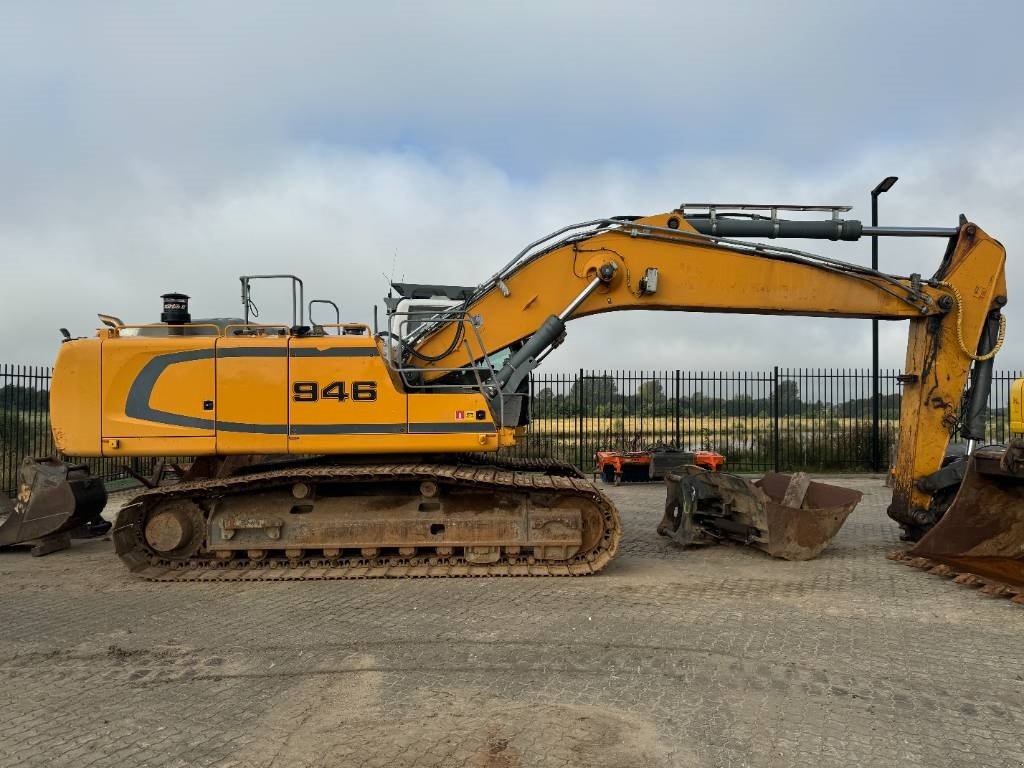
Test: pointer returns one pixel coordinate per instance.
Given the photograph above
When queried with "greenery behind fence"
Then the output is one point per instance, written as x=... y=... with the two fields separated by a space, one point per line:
x=25 y=425
x=786 y=419
x=789 y=419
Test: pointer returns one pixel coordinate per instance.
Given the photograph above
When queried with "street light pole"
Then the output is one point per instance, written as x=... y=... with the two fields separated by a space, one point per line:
x=876 y=460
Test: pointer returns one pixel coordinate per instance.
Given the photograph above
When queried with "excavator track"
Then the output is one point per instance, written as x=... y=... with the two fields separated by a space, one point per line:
x=520 y=464
x=535 y=483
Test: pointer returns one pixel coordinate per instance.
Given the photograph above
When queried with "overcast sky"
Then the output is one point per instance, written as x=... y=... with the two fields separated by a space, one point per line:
x=155 y=147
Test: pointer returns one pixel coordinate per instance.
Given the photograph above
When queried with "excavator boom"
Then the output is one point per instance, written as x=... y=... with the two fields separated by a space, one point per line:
x=607 y=266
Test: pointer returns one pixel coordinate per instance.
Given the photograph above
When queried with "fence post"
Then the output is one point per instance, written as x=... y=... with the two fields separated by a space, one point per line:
x=678 y=436
x=775 y=421
x=876 y=418
x=579 y=421
x=523 y=447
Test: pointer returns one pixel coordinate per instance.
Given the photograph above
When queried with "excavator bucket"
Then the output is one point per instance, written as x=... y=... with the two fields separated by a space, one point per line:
x=982 y=532
x=787 y=516
x=53 y=499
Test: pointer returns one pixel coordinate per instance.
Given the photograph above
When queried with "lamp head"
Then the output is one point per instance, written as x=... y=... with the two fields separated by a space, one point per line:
x=884 y=185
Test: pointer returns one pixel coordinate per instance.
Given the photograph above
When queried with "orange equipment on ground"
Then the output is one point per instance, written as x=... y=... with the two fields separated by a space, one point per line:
x=644 y=466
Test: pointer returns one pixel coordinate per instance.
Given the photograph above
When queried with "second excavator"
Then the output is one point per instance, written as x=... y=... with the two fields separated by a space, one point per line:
x=394 y=436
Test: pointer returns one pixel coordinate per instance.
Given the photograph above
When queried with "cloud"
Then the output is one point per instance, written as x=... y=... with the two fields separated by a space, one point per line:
x=175 y=146
x=212 y=89
x=345 y=219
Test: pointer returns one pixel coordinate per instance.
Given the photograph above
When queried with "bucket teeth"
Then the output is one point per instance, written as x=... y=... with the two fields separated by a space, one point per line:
x=968 y=580
x=983 y=585
x=980 y=537
x=995 y=590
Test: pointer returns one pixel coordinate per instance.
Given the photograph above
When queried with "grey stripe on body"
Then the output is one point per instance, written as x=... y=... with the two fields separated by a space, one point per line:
x=137 y=404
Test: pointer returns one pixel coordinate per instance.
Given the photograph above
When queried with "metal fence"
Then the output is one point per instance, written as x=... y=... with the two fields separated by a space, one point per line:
x=25 y=425
x=814 y=419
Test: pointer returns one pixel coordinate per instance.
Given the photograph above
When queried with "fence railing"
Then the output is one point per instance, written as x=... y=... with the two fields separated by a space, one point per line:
x=25 y=425
x=814 y=419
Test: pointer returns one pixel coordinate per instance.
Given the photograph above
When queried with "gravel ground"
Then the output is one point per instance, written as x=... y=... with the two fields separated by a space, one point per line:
x=711 y=657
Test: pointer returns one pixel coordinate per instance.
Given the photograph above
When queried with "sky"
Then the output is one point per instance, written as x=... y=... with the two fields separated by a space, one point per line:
x=149 y=148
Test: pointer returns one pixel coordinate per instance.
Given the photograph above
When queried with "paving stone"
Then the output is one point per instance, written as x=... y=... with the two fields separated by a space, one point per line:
x=708 y=657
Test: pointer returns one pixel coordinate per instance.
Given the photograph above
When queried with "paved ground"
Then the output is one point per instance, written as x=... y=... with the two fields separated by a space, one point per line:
x=713 y=657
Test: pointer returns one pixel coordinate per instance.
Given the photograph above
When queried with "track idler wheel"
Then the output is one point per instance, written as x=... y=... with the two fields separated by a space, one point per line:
x=175 y=530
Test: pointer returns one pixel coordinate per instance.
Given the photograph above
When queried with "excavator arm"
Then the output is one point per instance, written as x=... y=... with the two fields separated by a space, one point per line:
x=675 y=261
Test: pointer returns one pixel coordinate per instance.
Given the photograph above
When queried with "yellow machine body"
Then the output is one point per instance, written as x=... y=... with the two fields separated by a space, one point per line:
x=224 y=395
x=1017 y=407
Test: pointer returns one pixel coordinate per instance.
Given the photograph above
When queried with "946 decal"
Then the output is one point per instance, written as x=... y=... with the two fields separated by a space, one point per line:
x=311 y=391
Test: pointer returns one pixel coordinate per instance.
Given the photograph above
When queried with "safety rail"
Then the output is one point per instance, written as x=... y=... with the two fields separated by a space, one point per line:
x=400 y=338
x=397 y=341
x=344 y=329
x=298 y=301
x=773 y=208
x=241 y=329
x=165 y=329
x=328 y=302
x=257 y=329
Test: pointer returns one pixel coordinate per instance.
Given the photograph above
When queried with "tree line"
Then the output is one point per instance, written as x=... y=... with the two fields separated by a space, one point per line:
x=598 y=396
x=15 y=397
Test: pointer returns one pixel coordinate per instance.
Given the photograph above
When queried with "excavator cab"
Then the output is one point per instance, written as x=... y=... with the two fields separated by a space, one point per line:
x=417 y=306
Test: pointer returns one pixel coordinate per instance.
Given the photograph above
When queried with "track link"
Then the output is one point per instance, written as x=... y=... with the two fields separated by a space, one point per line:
x=478 y=471
x=521 y=464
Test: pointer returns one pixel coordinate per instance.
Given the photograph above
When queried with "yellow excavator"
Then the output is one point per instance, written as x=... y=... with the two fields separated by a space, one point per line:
x=390 y=438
